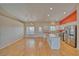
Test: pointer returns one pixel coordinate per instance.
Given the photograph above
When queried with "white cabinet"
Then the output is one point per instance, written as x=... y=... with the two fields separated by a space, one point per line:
x=54 y=41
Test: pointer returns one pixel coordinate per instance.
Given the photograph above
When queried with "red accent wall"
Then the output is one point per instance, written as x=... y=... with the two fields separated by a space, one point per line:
x=71 y=18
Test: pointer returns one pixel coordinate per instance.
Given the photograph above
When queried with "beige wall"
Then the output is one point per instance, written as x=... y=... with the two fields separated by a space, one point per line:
x=10 y=31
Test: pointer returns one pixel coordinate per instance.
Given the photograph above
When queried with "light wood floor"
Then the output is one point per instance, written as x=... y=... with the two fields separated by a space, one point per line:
x=41 y=49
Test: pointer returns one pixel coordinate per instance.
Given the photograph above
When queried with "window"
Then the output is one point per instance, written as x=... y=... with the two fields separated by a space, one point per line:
x=30 y=30
x=40 y=29
x=52 y=28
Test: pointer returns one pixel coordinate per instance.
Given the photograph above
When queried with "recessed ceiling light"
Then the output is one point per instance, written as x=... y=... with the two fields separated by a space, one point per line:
x=48 y=15
x=51 y=8
x=64 y=12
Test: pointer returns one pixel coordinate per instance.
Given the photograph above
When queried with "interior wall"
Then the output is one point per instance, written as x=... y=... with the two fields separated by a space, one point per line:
x=78 y=26
x=10 y=31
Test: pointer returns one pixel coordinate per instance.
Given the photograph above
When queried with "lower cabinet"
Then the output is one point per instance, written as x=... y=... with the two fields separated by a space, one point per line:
x=54 y=42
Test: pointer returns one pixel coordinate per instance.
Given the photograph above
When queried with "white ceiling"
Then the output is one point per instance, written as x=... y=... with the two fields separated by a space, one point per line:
x=37 y=12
